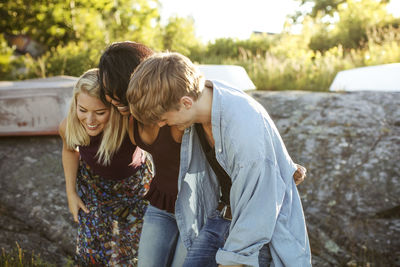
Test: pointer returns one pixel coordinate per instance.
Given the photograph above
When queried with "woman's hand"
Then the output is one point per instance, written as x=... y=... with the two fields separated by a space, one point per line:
x=300 y=174
x=75 y=203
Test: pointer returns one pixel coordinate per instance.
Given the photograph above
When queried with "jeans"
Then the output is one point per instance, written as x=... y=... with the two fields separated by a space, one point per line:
x=160 y=244
x=212 y=237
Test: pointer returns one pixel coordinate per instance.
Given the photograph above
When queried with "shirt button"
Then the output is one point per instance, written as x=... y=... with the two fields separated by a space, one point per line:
x=219 y=150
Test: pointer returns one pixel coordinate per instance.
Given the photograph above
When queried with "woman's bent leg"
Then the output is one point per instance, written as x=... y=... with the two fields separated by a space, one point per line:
x=158 y=239
x=109 y=234
x=180 y=254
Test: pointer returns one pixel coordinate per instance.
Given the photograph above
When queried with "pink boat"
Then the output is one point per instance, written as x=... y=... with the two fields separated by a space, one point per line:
x=34 y=107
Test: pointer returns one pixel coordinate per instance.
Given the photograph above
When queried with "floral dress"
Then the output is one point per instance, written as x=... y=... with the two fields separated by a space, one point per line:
x=109 y=234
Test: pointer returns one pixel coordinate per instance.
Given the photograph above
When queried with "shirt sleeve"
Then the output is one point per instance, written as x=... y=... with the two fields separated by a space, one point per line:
x=256 y=197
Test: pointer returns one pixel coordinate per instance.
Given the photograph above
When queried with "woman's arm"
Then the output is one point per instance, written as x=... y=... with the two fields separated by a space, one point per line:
x=70 y=161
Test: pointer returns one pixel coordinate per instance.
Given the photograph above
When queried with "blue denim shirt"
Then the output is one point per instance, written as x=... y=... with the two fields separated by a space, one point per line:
x=266 y=207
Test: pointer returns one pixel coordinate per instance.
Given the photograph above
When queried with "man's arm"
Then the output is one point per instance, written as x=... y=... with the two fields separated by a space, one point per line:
x=257 y=195
x=298 y=177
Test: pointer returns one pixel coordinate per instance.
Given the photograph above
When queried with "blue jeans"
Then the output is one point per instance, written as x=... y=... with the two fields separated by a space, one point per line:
x=160 y=244
x=212 y=237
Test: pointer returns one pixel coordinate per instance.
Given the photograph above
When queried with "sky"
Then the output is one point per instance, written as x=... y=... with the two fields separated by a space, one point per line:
x=234 y=18
x=231 y=18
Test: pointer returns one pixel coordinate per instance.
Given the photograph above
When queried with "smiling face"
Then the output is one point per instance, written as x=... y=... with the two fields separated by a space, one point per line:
x=92 y=113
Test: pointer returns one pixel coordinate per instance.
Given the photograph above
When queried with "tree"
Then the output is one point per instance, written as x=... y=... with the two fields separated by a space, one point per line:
x=356 y=18
x=325 y=7
x=179 y=35
x=48 y=22
x=347 y=23
x=58 y=22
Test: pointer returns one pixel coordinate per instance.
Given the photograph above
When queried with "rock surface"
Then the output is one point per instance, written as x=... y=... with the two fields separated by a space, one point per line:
x=349 y=142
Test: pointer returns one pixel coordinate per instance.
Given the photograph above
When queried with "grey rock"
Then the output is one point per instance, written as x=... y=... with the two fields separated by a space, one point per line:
x=33 y=206
x=350 y=144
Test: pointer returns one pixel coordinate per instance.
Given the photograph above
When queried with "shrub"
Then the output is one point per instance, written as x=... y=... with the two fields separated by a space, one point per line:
x=72 y=59
x=7 y=60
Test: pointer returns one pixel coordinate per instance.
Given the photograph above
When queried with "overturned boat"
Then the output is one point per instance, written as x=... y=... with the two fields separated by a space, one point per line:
x=384 y=78
x=34 y=107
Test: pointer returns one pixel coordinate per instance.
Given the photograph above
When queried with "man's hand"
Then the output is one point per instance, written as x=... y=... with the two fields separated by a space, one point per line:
x=300 y=174
x=75 y=203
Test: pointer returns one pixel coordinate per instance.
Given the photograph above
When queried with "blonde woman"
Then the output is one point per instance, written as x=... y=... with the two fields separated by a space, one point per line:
x=106 y=177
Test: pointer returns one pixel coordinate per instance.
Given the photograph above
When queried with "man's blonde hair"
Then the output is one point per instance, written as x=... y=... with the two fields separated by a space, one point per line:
x=158 y=84
x=115 y=130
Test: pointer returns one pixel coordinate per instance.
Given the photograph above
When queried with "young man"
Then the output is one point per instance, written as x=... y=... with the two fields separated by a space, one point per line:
x=266 y=208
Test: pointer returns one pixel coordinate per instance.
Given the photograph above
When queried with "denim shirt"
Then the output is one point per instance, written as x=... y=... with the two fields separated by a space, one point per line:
x=265 y=203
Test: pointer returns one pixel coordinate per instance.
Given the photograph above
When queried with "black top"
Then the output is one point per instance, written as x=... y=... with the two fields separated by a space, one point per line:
x=124 y=162
x=166 y=158
x=223 y=178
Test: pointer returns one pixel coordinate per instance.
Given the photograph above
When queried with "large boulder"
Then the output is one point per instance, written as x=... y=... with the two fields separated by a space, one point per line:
x=349 y=142
x=33 y=203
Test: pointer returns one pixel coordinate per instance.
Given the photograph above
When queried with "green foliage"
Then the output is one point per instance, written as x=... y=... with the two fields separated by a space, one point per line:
x=290 y=65
x=321 y=37
x=59 y=22
x=356 y=18
x=349 y=27
x=383 y=46
x=224 y=48
x=310 y=71
x=179 y=36
x=20 y=258
x=72 y=59
x=48 y=22
x=325 y=7
x=258 y=44
x=6 y=54
x=139 y=22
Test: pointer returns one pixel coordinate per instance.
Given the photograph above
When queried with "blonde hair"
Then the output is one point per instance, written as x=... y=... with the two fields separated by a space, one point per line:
x=158 y=84
x=115 y=130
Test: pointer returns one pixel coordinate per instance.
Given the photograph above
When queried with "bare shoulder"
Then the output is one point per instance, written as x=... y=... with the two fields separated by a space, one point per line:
x=148 y=133
x=131 y=126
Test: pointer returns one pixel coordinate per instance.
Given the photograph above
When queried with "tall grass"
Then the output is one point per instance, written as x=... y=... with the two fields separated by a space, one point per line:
x=290 y=65
x=20 y=258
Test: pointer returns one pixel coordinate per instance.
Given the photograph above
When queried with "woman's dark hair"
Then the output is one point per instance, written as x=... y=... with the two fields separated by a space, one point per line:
x=117 y=64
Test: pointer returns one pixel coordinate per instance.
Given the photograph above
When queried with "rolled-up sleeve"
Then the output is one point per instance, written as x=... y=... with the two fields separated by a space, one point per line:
x=257 y=195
